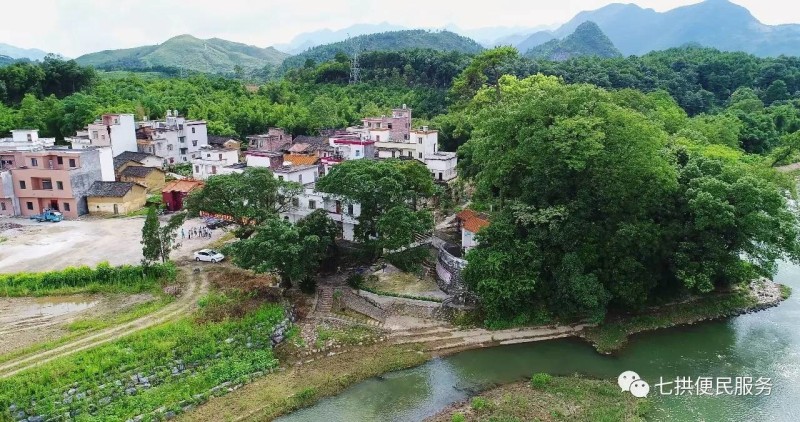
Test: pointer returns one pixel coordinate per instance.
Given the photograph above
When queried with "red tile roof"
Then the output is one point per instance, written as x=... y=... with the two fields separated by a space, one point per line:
x=472 y=221
x=301 y=160
x=185 y=186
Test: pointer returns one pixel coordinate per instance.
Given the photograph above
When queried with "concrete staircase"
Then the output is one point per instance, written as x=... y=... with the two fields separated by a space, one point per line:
x=324 y=301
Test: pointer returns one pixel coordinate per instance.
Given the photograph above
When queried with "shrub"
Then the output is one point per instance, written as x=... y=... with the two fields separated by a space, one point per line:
x=409 y=260
x=308 y=285
x=540 y=380
x=355 y=281
x=458 y=417
x=479 y=403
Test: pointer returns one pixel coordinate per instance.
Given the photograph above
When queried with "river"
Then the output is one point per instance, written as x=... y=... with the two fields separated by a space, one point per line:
x=764 y=344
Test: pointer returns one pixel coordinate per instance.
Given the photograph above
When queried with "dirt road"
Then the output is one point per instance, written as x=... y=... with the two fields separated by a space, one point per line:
x=197 y=286
x=51 y=246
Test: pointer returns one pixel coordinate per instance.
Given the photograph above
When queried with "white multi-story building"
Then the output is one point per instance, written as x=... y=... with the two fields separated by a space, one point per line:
x=394 y=138
x=343 y=214
x=117 y=131
x=174 y=139
x=214 y=161
x=25 y=140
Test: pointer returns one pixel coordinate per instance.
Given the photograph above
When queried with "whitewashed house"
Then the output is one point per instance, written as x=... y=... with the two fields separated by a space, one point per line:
x=214 y=161
x=117 y=131
x=174 y=139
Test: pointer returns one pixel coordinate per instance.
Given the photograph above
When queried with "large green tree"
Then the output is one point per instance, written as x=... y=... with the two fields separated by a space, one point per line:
x=250 y=198
x=596 y=206
x=294 y=252
x=389 y=193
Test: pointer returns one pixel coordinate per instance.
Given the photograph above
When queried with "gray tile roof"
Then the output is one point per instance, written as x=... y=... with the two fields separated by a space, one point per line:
x=119 y=162
x=110 y=189
x=138 y=171
x=133 y=156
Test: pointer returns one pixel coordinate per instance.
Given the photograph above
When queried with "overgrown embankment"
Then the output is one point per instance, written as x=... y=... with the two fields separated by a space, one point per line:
x=73 y=280
x=612 y=335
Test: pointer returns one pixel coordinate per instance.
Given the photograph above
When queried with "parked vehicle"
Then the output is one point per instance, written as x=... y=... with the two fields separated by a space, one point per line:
x=208 y=255
x=50 y=215
x=215 y=223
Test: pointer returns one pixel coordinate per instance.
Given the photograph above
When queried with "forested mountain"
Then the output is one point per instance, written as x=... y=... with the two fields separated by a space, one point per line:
x=587 y=40
x=4 y=60
x=712 y=23
x=213 y=55
x=21 y=53
x=307 y=40
x=388 y=41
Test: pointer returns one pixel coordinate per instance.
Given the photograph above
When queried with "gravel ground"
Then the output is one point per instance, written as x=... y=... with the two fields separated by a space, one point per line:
x=51 y=246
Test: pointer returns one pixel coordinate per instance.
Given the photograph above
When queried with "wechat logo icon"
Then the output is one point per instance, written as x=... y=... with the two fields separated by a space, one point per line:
x=632 y=382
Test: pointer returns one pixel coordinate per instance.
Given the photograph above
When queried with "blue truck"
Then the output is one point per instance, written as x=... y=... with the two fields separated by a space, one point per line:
x=50 y=215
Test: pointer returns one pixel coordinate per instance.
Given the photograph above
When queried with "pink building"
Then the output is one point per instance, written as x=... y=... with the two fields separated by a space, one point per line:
x=276 y=139
x=385 y=128
x=54 y=178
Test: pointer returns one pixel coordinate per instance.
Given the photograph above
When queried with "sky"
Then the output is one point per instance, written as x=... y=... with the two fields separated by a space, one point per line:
x=75 y=27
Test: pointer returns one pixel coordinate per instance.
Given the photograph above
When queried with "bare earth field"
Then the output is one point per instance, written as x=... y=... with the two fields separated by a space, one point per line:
x=51 y=246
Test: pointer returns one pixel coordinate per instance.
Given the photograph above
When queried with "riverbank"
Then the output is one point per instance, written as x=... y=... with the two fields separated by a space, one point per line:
x=758 y=295
x=572 y=398
x=309 y=379
x=303 y=384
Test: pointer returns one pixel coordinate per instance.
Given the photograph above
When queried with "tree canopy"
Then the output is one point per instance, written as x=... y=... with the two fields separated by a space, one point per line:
x=597 y=207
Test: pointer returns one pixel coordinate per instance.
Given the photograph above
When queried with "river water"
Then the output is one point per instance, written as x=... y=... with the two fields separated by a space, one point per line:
x=765 y=344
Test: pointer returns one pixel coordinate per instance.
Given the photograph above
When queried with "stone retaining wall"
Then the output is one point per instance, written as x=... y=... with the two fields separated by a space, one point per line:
x=403 y=306
x=361 y=304
x=448 y=270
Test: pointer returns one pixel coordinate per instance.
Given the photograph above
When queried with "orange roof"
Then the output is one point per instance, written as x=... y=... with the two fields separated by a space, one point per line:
x=301 y=160
x=185 y=186
x=472 y=221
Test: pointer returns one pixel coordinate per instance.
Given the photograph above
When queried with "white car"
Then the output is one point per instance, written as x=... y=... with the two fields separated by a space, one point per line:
x=208 y=255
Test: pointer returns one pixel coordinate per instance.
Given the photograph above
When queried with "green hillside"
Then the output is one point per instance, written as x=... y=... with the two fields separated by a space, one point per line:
x=587 y=40
x=388 y=41
x=4 y=60
x=186 y=52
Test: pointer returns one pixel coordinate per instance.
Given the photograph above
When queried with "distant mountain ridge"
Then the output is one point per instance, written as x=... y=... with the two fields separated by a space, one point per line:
x=712 y=23
x=587 y=40
x=388 y=41
x=21 y=53
x=213 y=55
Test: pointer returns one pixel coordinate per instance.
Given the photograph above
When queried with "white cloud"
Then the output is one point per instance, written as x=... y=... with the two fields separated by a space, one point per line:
x=75 y=27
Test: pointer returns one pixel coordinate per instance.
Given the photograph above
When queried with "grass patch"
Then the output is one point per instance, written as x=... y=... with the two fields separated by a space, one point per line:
x=612 y=335
x=300 y=386
x=786 y=291
x=226 y=237
x=181 y=360
x=3 y=239
x=348 y=336
x=135 y=312
x=73 y=280
x=561 y=399
x=400 y=295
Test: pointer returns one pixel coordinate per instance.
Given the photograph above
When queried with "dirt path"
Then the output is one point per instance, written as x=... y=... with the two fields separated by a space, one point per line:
x=197 y=286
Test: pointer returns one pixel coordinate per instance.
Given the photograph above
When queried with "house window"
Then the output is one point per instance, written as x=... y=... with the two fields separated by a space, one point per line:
x=30 y=205
x=349 y=209
x=280 y=178
x=47 y=184
x=22 y=184
x=410 y=153
x=194 y=143
x=184 y=151
x=66 y=206
x=72 y=162
x=390 y=125
x=2 y=206
x=182 y=139
x=197 y=169
x=60 y=185
x=312 y=204
x=34 y=162
x=377 y=138
x=419 y=140
x=172 y=160
x=420 y=155
x=192 y=130
x=300 y=178
x=440 y=176
x=295 y=202
x=94 y=134
x=169 y=147
x=213 y=169
x=220 y=156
